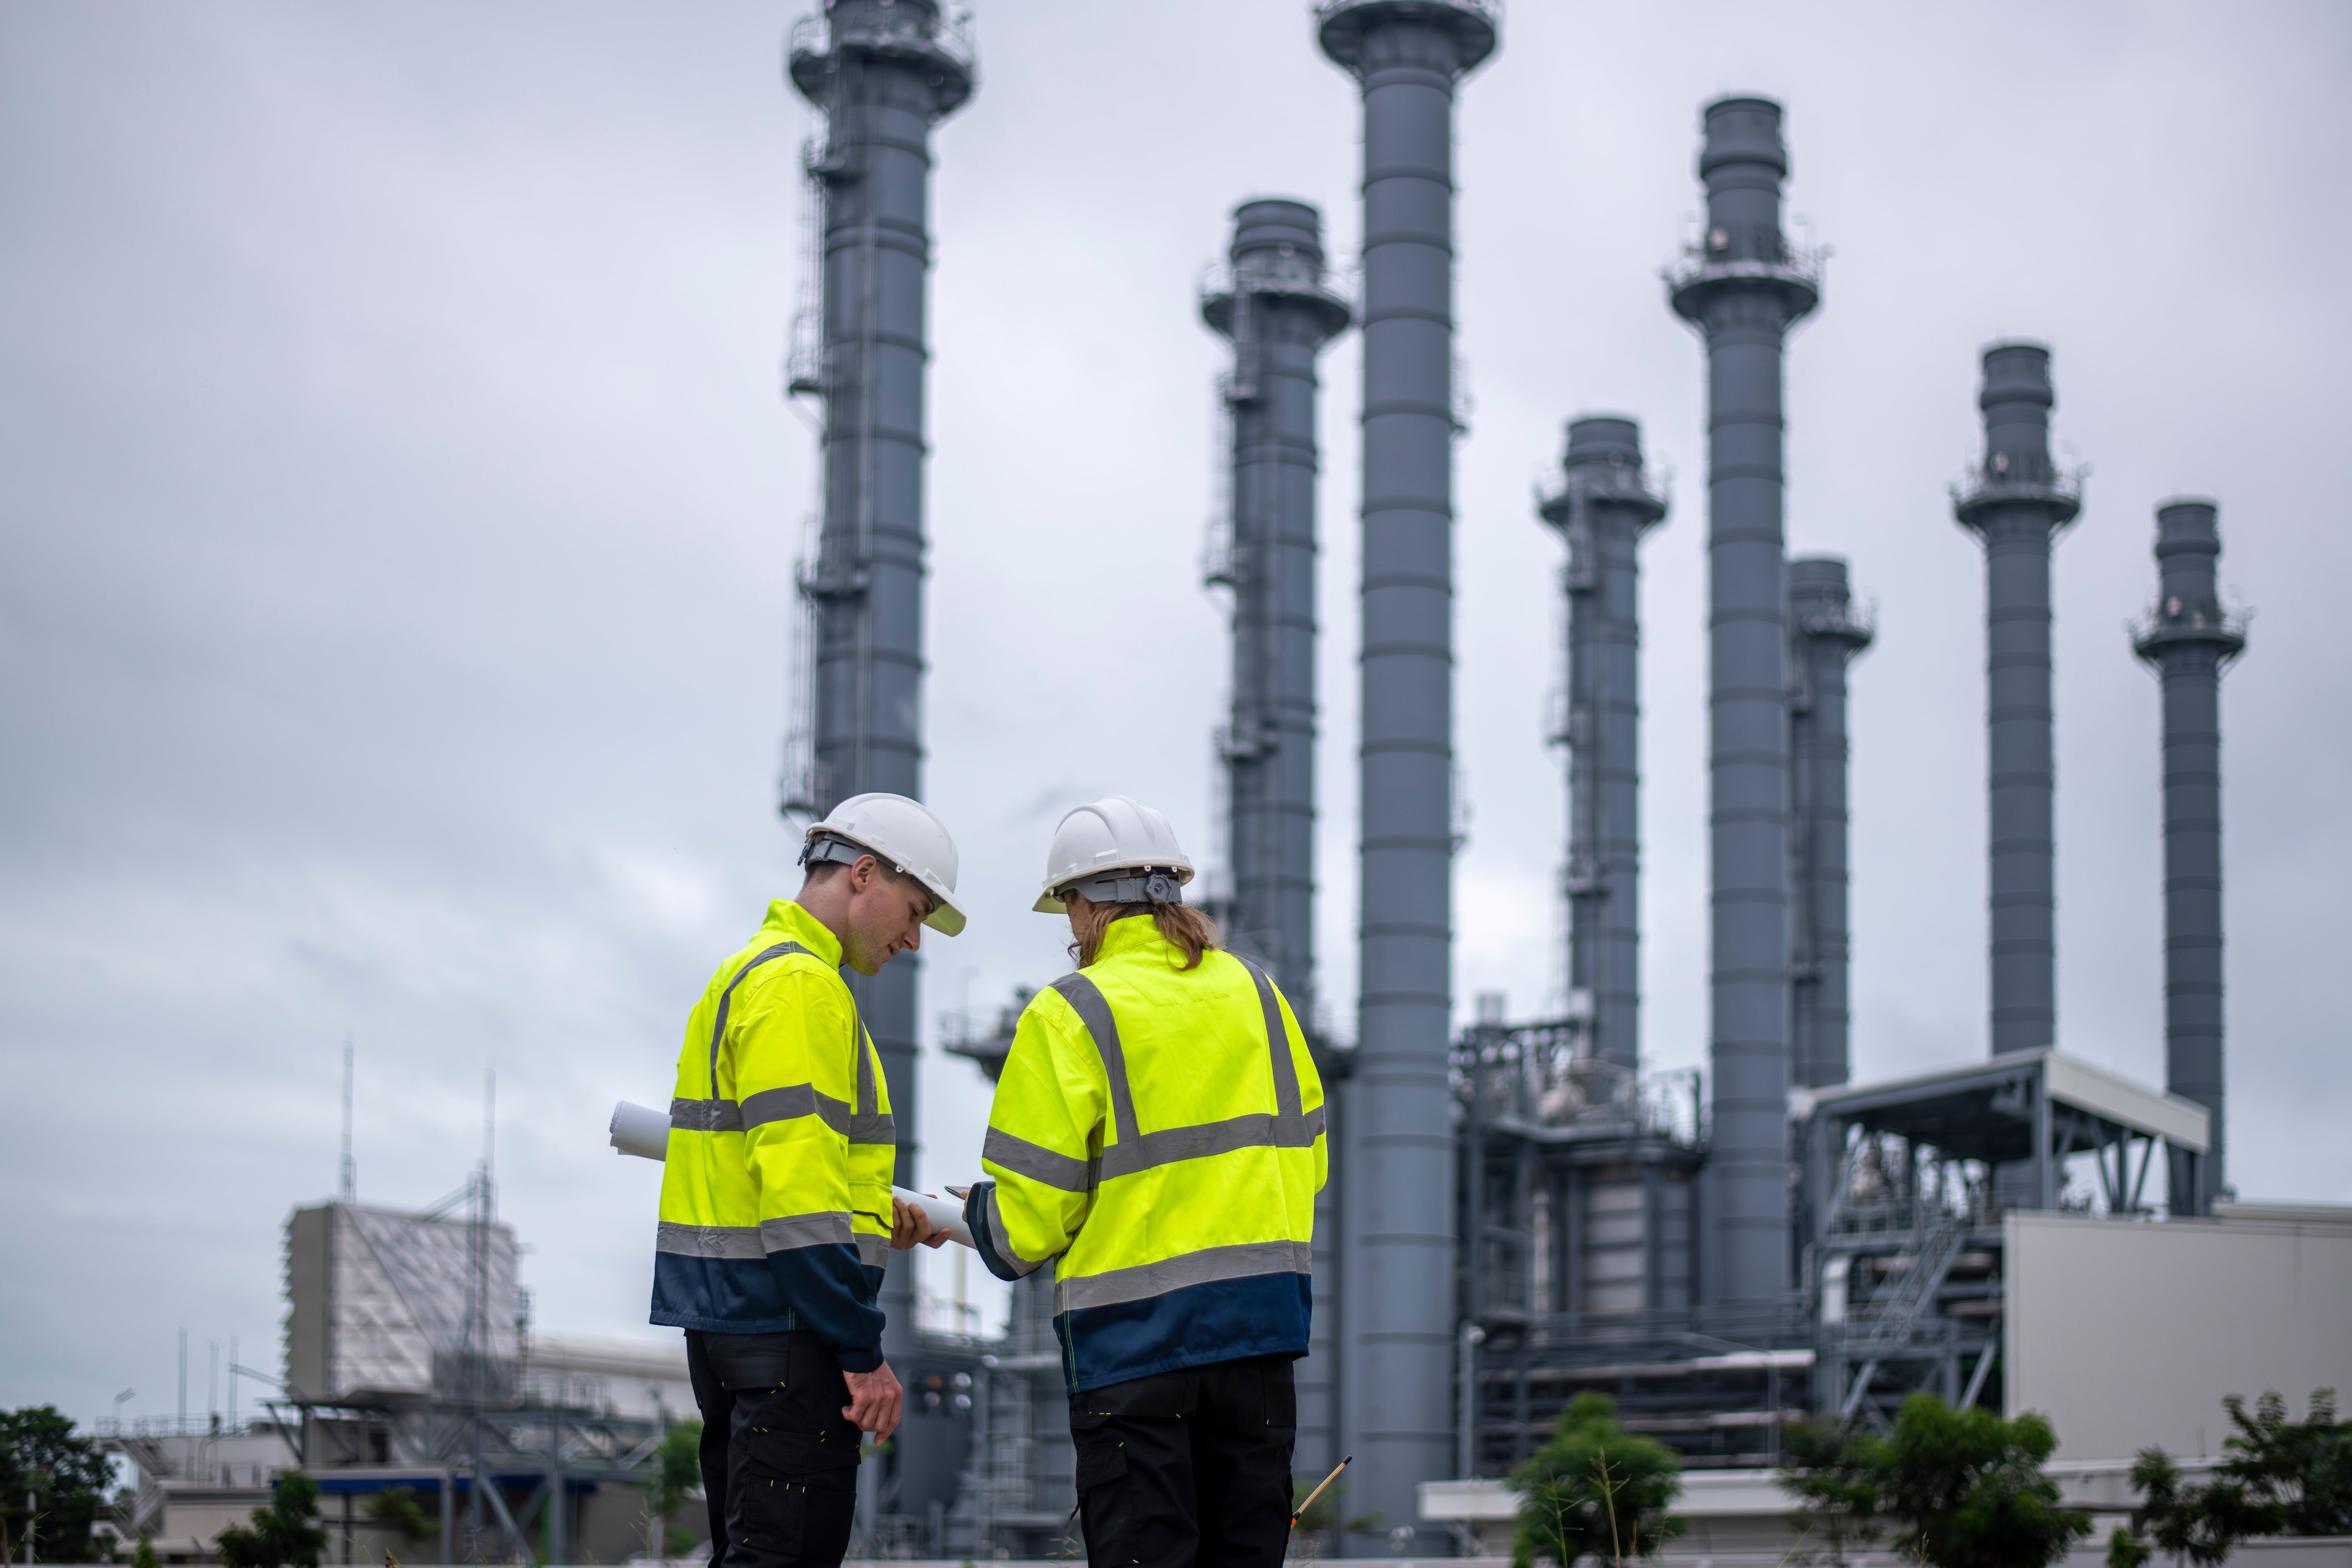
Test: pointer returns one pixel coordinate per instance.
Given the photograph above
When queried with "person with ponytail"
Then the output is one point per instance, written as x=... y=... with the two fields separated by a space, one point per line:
x=1157 y=1136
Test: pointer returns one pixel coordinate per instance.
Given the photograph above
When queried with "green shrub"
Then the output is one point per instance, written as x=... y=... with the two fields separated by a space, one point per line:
x=1596 y=1490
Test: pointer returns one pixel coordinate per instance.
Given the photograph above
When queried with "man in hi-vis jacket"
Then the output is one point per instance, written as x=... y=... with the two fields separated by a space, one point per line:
x=776 y=1212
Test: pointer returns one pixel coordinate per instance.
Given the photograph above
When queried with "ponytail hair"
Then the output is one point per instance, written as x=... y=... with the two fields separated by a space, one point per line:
x=1181 y=925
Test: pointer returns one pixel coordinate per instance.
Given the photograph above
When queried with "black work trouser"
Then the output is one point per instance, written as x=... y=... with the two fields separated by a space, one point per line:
x=779 y=1461
x=1186 y=1467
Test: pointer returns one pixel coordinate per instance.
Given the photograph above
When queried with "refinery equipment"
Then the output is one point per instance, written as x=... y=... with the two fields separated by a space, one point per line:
x=2017 y=500
x=1824 y=636
x=2189 y=638
x=1397 y=1318
x=1602 y=508
x=1529 y=1215
x=1580 y=1206
x=1907 y=1184
x=1272 y=301
x=883 y=72
x=1743 y=286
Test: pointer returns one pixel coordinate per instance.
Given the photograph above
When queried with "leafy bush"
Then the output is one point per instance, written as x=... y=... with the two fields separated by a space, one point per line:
x=65 y=1475
x=2280 y=1477
x=285 y=1532
x=1967 y=1485
x=674 y=1474
x=1596 y=1490
x=1831 y=1474
x=396 y=1509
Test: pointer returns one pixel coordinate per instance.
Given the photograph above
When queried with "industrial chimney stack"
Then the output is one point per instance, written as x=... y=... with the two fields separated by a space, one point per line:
x=1824 y=636
x=2188 y=637
x=1398 y=1221
x=1602 y=510
x=1743 y=287
x=883 y=73
x=1273 y=303
x=2017 y=501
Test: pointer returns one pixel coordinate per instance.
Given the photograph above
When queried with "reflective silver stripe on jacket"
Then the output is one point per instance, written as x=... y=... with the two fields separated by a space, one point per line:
x=1145 y=1281
x=718 y=1023
x=863 y=1124
x=1256 y=1131
x=754 y=1242
x=1039 y=1164
x=738 y=1241
x=874 y=1251
x=1285 y=1128
x=1020 y=1266
x=828 y=1228
x=794 y=1101
x=706 y=1116
x=868 y=1124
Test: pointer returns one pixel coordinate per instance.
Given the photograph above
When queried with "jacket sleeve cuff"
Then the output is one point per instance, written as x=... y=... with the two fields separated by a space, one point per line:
x=864 y=1359
x=998 y=1258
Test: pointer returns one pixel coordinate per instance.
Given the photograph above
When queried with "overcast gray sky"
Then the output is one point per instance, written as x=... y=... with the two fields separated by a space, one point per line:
x=399 y=508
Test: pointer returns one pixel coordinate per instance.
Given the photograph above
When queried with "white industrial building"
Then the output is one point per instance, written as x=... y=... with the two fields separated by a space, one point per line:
x=2126 y=1335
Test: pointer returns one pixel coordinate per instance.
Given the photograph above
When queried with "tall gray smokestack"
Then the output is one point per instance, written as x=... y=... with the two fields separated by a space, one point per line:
x=1602 y=510
x=1824 y=636
x=1399 y=1224
x=2017 y=501
x=1274 y=305
x=883 y=73
x=2188 y=637
x=1743 y=287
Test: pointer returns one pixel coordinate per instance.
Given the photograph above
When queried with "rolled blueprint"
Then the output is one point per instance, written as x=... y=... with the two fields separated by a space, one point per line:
x=644 y=1132
x=640 y=1131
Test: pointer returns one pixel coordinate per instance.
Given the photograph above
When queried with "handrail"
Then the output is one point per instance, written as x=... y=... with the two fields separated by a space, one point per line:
x=1490 y=10
x=948 y=34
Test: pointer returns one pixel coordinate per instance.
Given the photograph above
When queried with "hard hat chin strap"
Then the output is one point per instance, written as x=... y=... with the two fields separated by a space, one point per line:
x=1132 y=887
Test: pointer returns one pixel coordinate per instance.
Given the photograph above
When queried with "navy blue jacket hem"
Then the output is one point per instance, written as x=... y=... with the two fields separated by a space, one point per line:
x=1286 y=1346
x=702 y=1325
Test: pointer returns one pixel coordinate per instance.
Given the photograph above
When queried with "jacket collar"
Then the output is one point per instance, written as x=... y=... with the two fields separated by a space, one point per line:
x=1135 y=933
x=793 y=923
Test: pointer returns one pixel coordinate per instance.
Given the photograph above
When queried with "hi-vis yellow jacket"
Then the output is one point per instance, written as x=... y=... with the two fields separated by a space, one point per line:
x=776 y=1201
x=1158 y=1133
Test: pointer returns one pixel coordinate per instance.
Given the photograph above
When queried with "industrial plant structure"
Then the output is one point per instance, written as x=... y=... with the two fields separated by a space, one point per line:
x=1392 y=1386
x=2189 y=638
x=2018 y=500
x=1519 y=1210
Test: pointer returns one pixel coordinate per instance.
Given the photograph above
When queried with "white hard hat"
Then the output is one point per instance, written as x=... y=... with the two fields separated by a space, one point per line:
x=904 y=834
x=1101 y=839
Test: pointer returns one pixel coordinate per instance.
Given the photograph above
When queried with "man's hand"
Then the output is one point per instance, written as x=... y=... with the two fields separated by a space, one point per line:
x=910 y=1223
x=875 y=1399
